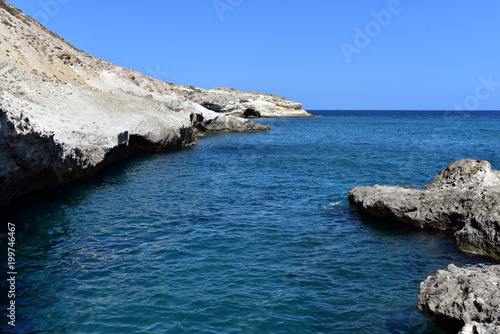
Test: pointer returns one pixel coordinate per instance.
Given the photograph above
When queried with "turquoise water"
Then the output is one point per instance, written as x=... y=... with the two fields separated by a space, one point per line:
x=245 y=233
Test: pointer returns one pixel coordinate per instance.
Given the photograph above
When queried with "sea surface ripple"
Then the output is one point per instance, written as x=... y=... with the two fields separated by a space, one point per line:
x=246 y=233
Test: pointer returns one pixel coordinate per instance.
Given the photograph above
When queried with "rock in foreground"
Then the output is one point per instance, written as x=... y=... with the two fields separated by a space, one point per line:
x=464 y=198
x=463 y=300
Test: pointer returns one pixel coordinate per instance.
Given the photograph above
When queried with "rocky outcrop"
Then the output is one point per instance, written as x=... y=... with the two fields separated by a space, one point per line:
x=65 y=115
x=464 y=198
x=463 y=300
x=247 y=104
x=80 y=131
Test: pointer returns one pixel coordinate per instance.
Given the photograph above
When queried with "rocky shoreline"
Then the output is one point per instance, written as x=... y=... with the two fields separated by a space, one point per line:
x=465 y=199
x=65 y=115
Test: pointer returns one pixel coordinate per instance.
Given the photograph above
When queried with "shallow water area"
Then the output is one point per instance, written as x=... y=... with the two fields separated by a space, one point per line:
x=246 y=233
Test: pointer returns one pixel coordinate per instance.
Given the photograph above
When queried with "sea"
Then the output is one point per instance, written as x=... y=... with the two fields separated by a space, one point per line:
x=244 y=233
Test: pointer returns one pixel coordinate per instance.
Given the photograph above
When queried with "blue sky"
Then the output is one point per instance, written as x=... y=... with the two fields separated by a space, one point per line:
x=327 y=54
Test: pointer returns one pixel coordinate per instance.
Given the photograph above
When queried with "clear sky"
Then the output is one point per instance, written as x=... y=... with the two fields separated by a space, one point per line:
x=327 y=54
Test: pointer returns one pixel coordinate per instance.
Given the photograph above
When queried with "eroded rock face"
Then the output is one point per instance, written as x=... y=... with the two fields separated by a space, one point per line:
x=465 y=300
x=466 y=174
x=42 y=147
x=247 y=104
x=464 y=198
x=210 y=121
x=477 y=328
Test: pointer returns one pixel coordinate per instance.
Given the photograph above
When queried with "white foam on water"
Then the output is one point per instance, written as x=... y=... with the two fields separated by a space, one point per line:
x=332 y=205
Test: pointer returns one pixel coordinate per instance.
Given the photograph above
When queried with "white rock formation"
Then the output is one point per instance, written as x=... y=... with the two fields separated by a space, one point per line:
x=65 y=114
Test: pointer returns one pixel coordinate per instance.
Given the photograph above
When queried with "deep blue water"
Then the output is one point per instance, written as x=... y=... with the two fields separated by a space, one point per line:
x=245 y=233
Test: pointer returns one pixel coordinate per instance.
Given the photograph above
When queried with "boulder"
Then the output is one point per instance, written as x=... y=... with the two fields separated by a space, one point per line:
x=464 y=198
x=465 y=300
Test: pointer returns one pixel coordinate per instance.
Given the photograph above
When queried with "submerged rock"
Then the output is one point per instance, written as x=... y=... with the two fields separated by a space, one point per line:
x=464 y=198
x=463 y=300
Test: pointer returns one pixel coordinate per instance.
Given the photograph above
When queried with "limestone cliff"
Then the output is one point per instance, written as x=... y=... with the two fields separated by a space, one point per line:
x=27 y=45
x=65 y=114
